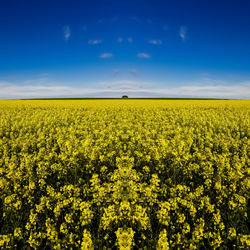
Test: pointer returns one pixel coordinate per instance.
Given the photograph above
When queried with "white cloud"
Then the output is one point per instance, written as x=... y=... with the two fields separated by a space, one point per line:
x=106 y=55
x=143 y=55
x=117 y=88
x=155 y=42
x=130 y=39
x=11 y=91
x=183 y=32
x=93 y=42
x=120 y=40
x=214 y=91
x=66 y=32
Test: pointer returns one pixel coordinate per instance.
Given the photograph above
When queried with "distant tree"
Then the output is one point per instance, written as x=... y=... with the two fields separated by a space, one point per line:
x=124 y=96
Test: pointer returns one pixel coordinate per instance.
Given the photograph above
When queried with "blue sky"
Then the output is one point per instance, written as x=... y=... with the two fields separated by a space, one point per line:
x=70 y=48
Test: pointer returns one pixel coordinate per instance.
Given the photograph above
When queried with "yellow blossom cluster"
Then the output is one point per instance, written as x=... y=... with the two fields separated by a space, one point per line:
x=124 y=174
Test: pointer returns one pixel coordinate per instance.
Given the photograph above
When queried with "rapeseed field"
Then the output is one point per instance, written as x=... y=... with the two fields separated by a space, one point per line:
x=124 y=174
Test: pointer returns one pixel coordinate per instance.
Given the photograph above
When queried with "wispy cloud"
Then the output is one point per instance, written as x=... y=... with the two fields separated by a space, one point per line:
x=121 y=85
x=135 y=18
x=132 y=88
x=143 y=55
x=130 y=39
x=100 y=21
x=183 y=32
x=106 y=55
x=134 y=72
x=94 y=42
x=114 y=19
x=84 y=28
x=66 y=32
x=155 y=42
x=115 y=72
x=165 y=27
x=149 y=21
x=119 y=39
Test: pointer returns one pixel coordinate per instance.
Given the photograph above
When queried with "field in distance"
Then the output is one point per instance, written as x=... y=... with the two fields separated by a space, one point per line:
x=107 y=174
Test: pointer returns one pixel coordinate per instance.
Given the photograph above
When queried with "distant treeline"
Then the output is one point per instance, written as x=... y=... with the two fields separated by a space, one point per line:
x=117 y=98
